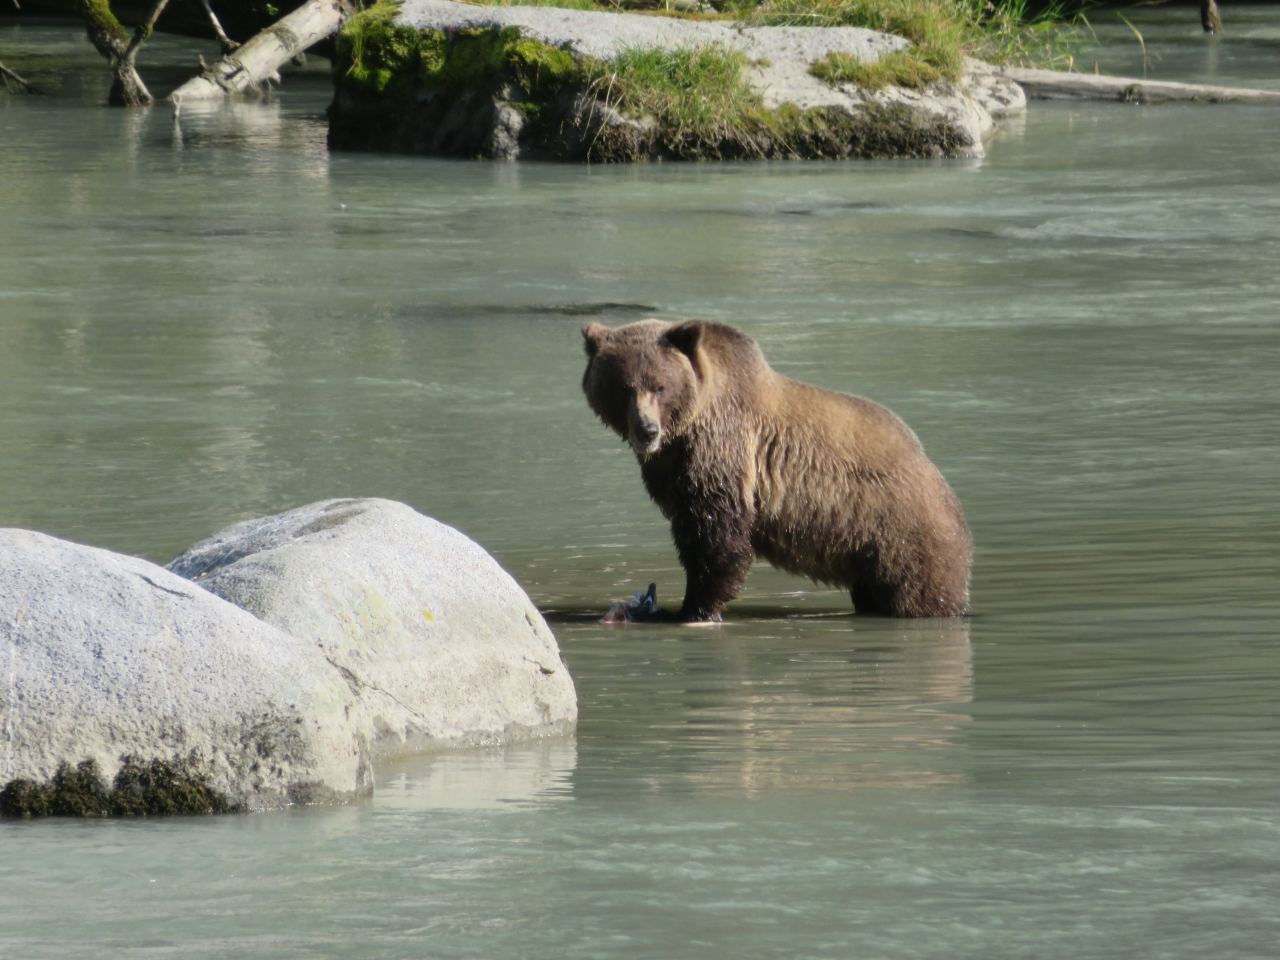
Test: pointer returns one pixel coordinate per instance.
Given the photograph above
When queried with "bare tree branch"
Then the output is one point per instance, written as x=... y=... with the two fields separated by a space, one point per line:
x=143 y=33
x=226 y=43
x=9 y=75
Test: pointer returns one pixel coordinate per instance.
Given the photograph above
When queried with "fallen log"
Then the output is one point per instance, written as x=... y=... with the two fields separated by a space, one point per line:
x=1056 y=85
x=261 y=57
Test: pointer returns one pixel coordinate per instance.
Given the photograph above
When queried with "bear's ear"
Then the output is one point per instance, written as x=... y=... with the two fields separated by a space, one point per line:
x=686 y=337
x=593 y=334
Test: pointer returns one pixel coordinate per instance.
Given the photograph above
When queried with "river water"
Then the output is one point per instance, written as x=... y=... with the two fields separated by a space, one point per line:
x=214 y=318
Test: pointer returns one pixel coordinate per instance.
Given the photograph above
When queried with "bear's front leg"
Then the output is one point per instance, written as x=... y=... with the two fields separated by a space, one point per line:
x=715 y=551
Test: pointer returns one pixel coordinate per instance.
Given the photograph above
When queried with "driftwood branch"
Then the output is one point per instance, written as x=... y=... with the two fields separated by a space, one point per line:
x=1055 y=85
x=261 y=57
x=9 y=75
x=226 y=43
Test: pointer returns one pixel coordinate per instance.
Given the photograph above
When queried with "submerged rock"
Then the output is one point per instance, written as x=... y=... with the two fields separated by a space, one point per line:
x=438 y=77
x=437 y=643
x=118 y=670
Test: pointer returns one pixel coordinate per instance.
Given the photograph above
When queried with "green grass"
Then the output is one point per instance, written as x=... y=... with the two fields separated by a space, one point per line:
x=654 y=7
x=902 y=68
x=701 y=107
x=692 y=94
x=943 y=32
x=565 y=4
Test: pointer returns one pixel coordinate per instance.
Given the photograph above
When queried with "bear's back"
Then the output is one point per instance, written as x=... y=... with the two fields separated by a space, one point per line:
x=833 y=473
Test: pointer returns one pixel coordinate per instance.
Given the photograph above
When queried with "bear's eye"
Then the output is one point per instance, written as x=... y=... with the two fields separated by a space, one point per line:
x=659 y=390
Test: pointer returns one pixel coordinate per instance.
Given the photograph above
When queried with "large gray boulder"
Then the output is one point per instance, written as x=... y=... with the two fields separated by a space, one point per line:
x=502 y=121
x=437 y=643
x=107 y=657
x=780 y=58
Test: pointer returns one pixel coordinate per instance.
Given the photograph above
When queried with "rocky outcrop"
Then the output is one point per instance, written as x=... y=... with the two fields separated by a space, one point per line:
x=270 y=666
x=436 y=641
x=404 y=95
x=110 y=660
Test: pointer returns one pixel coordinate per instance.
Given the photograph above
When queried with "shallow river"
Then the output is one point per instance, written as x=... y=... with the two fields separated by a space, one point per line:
x=213 y=319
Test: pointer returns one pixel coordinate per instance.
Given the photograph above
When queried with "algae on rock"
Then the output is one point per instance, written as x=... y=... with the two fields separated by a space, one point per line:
x=396 y=83
x=141 y=788
x=375 y=55
x=269 y=666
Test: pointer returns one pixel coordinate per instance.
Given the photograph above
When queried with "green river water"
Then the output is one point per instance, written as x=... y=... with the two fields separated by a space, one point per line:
x=216 y=319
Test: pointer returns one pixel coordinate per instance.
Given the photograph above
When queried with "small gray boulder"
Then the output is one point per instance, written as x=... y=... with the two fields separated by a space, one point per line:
x=437 y=643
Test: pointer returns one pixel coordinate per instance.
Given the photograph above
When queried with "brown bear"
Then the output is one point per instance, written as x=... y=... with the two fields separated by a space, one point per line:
x=745 y=462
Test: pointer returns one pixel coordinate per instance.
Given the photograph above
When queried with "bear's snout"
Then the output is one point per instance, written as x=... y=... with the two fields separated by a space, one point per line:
x=646 y=437
x=644 y=426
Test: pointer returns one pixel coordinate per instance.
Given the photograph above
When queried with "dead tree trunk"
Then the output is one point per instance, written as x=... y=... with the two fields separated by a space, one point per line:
x=121 y=51
x=261 y=57
x=1054 y=85
x=110 y=39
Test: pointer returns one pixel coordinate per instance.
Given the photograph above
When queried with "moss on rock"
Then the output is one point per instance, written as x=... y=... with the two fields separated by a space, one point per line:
x=376 y=56
x=429 y=91
x=902 y=68
x=155 y=787
x=788 y=133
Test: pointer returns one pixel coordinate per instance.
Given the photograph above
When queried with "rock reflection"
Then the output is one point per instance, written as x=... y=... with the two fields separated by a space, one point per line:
x=482 y=779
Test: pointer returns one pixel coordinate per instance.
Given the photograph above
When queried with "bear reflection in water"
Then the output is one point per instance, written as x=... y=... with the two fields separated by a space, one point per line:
x=745 y=462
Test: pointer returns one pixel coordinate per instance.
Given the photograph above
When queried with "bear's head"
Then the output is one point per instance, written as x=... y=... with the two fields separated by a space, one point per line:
x=643 y=379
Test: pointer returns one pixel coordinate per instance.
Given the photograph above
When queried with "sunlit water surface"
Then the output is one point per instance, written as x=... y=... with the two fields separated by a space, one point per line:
x=214 y=318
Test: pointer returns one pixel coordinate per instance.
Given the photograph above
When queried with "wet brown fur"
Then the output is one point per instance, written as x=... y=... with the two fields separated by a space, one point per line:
x=745 y=462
